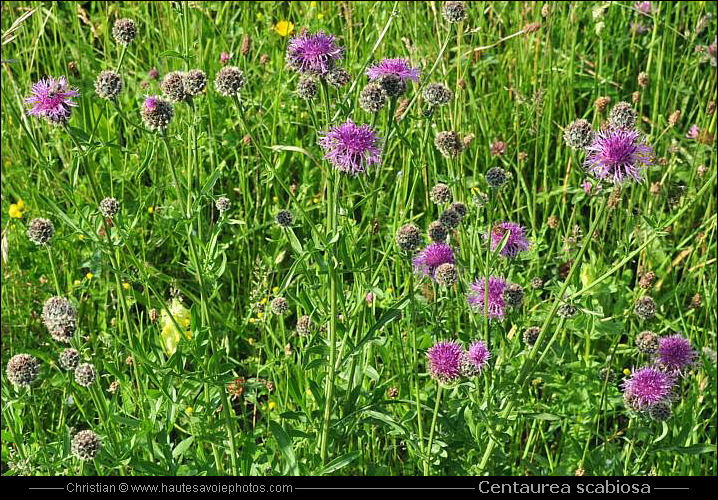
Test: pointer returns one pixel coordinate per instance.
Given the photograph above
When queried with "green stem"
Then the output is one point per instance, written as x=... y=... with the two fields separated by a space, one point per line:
x=432 y=428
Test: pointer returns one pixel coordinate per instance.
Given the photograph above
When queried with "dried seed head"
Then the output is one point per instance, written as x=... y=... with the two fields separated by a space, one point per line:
x=85 y=374
x=279 y=305
x=108 y=85
x=86 y=445
x=109 y=207
x=645 y=308
x=460 y=208
x=566 y=311
x=229 y=81
x=531 y=335
x=195 y=81
x=307 y=88
x=446 y=275
x=674 y=117
x=305 y=325
x=623 y=116
x=124 y=31
x=22 y=370
x=392 y=85
x=449 y=144
x=496 y=177
x=408 y=237
x=338 y=77
x=40 y=231
x=578 y=134
x=69 y=359
x=450 y=219
x=646 y=280
x=513 y=295
x=440 y=194
x=173 y=86
x=437 y=94
x=437 y=232
x=536 y=283
x=602 y=103
x=643 y=79
x=223 y=204
x=284 y=218
x=59 y=316
x=647 y=342
x=372 y=98
x=454 y=12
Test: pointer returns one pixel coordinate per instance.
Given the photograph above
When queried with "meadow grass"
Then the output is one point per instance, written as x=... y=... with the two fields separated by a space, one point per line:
x=245 y=394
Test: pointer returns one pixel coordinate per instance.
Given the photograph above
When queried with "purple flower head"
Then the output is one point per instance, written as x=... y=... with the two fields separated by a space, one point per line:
x=431 y=257
x=150 y=102
x=397 y=67
x=224 y=57
x=478 y=355
x=313 y=54
x=351 y=148
x=693 y=132
x=495 y=306
x=675 y=353
x=647 y=387
x=516 y=241
x=645 y=8
x=618 y=155
x=51 y=98
x=445 y=361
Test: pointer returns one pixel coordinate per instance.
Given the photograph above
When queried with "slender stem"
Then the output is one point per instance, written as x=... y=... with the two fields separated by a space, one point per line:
x=432 y=428
x=54 y=271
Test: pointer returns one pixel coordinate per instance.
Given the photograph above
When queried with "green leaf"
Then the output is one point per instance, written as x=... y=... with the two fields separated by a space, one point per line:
x=285 y=446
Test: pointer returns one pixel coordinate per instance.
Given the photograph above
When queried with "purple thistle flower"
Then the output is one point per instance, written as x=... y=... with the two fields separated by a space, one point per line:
x=150 y=102
x=431 y=257
x=693 y=132
x=645 y=8
x=313 y=54
x=648 y=387
x=675 y=353
x=618 y=155
x=396 y=67
x=51 y=98
x=351 y=148
x=445 y=361
x=478 y=355
x=516 y=241
x=495 y=306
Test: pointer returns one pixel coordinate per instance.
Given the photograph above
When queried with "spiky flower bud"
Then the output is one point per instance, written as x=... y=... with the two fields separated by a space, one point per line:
x=645 y=308
x=460 y=208
x=437 y=232
x=108 y=85
x=440 y=194
x=643 y=79
x=85 y=374
x=623 y=116
x=454 y=12
x=307 y=88
x=578 y=134
x=195 y=81
x=437 y=94
x=446 y=275
x=223 y=204
x=157 y=113
x=40 y=231
x=229 y=81
x=660 y=412
x=450 y=219
x=59 y=316
x=124 y=31
x=279 y=305
x=408 y=237
x=646 y=280
x=531 y=335
x=566 y=311
x=305 y=325
x=69 y=359
x=86 y=445
x=338 y=77
x=109 y=207
x=496 y=177
x=284 y=218
x=647 y=342
x=372 y=98
x=22 y=370
x=536 y=283
x=173 y=86
x=393 y=85
x=513 y=295
x=449 y=144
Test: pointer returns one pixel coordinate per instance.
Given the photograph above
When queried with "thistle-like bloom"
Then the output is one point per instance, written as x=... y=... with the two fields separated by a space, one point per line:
x=645 y=308
x=475 y=359
x=437 y=231
x=437 y=94
x=279 y=306
x=618 y=155
x=372 y=98
x=22 y=369
x=446 y=275
x=156 y=113
x=195 y=81
x=623 y=115
x=223 y=204
x=516 y=241
x=648 y=387
x=578 y=134
x=85 y=374
x=86 y=445
x=431 y=257
x=108 y=85
x=109 y=207
x=59 y=316
x=445 y=361
x=449 y=144
x=51 y=98
x=454 y=12
x=408 y=237
x=396 y=67
x=305 y=325
x=40 y=231
x=440 y=194
x=647 y=342
x=173 y=86
x=124 y=31
x=675 y=353
x=229 y=81
x=69 y=359
x=495 y=306
x=351 y=148
x=284 y=218
x=307 y=88
x=314 y=54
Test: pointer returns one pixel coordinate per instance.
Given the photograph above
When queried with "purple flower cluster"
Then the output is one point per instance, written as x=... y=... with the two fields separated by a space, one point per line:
x=477 y=297
x=448 y=361
x=313 y=54
x=675 y=354
x=516 y=241
x=395 y=67
x=351 y=148
x=51 y=98
x=648 y=387
x=431 y=257
x=618 y=155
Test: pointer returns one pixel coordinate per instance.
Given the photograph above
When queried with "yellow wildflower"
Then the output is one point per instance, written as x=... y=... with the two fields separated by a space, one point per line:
x=275 y=289
x=89 y=276
x=263 y=301
x=251 y=321
x=171 y=335
x=626 y=372
x=16 y=209
x=189 y=410
x=272 y=405
x=150 y=209
x=320 y=15
x=284 y=28
x=126 y=285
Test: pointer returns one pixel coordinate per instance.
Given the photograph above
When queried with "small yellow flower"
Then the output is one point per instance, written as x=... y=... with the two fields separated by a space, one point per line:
x=20 y=204
x=272 y=405
x=275 y=199
x=189 y=410
x=312 y=4
x=263 y=301
x=89 y=276
x=126 y=285
x=626 y=372
x=250 y=341
x=251 y=321
x=76 y=282
x=81 y=237
x=316 y=200
x=16 y=210
x=320 y=15
x=275 y=289
x=260 y=315
x=284 y=28
x=260 y=16
x=150 y=209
